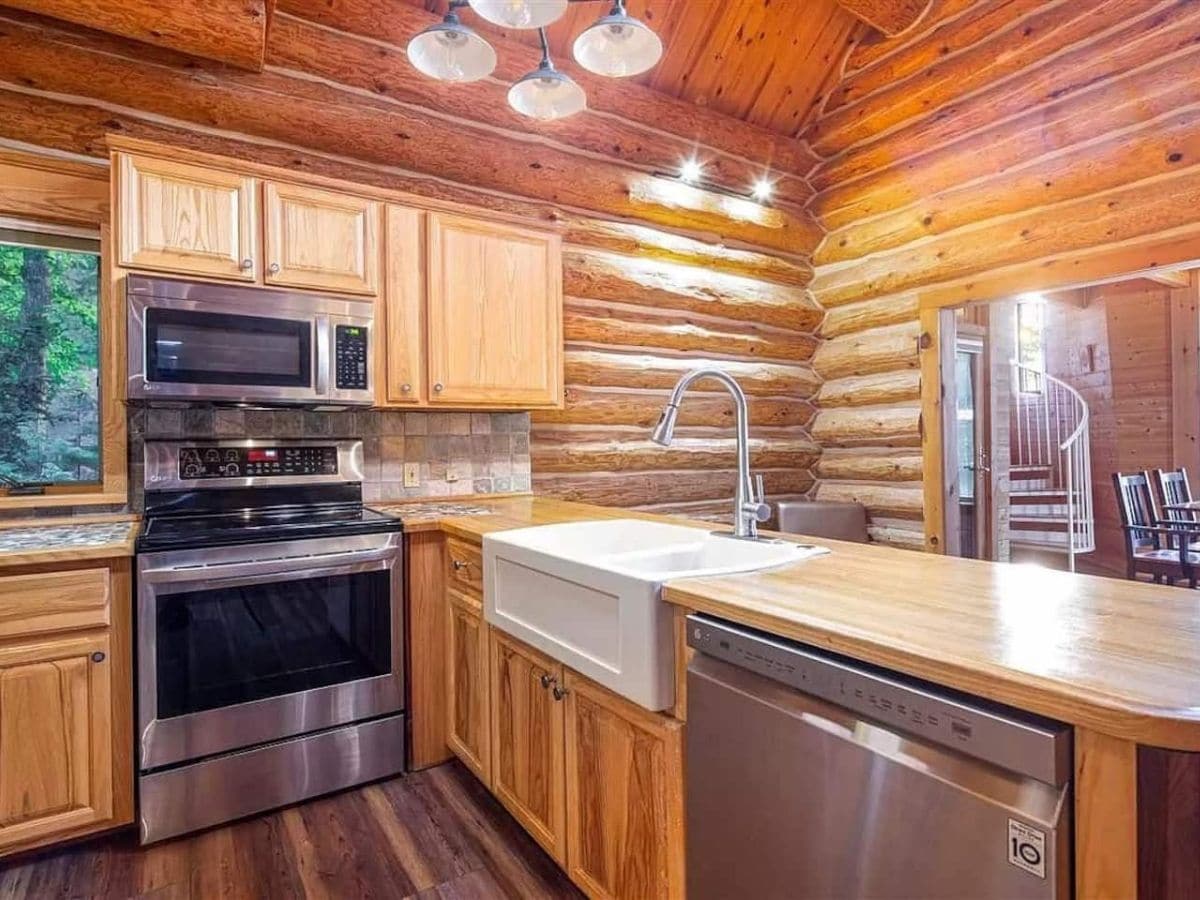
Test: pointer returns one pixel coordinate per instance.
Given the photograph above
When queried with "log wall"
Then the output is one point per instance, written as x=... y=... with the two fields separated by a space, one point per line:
x=996 y=143
x=650 y=290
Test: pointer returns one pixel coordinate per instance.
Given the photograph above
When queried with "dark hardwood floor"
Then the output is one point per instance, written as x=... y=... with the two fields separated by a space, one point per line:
x=433 y=834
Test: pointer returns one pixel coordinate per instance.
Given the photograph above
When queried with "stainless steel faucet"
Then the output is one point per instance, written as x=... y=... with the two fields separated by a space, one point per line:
x=750 y=507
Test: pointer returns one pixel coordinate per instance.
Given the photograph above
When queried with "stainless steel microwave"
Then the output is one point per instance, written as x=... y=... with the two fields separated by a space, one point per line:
x=202 y=342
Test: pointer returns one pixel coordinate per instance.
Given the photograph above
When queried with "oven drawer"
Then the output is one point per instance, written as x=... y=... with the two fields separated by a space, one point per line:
x=53 y=601
x=464 y=563
x=206 y=793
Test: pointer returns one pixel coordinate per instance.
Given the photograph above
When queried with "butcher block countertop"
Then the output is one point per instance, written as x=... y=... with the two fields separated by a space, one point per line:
x=1119 y=657
x=28 y=542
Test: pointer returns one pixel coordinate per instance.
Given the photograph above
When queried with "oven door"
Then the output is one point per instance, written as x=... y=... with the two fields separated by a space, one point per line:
x=239 y=646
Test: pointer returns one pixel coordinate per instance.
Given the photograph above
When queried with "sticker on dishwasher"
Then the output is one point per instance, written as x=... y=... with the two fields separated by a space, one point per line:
x=1027 y=848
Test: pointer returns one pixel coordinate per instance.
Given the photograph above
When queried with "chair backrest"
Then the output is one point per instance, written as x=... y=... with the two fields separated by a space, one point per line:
x=1135 y=500
x=1173 y=488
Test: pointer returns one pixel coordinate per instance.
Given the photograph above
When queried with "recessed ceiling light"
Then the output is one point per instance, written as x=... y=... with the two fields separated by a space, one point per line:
x=691 y=170
x=762 y=190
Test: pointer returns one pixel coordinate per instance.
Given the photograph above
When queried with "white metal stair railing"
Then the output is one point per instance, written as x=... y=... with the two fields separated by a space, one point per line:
x=1050 y=433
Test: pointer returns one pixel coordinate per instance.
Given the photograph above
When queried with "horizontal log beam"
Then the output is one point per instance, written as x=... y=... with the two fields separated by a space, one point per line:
x=889 y=17
x=233 y=32
x=594 y=406
x=866 y=353
x=621 y=325
x=872 y=426
x=628 y=489
x=630 y=279
x=595 y=368
x=905 y=501
x=842 y=320
x=651 y=243
x=899 y=533
x=553 y=451
x=1103 y=219
x=1011 y=51
x=394 y=23
x=869 y=465
x=320 y=116
x=870 y=390
x=1106 y=70
x=872 y=50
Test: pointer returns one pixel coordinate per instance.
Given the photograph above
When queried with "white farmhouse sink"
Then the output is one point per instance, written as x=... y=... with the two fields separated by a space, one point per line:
x=587 y=593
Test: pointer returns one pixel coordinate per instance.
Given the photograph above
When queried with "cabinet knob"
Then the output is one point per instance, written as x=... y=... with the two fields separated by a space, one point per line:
x=560 y=692
x=547 y=680
x=405 y=388
x=273 y=268
x=98 y=656
x=247 y=264
x=460 y=564
x=438 y=388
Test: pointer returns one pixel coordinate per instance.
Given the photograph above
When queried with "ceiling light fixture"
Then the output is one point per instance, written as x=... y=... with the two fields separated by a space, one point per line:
x=545 y=93
x=616 y=45
x=520 y=13
x=762 y=190
x=450 y=51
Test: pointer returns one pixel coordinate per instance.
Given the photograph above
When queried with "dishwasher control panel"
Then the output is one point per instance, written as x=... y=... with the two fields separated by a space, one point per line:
x=1027 y=745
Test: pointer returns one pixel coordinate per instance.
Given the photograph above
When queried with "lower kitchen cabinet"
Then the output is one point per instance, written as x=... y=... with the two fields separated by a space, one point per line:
x=468 y=723
x=66 y=729
x=624 y=768
x=528 y=740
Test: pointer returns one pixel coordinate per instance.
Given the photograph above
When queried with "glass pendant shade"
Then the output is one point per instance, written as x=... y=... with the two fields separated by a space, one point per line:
x=450 y=51
x=546 y=94
x=520 y=13
x=618 y=46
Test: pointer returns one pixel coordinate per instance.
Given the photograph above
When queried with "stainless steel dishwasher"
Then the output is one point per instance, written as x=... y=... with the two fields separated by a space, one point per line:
x=813 y=776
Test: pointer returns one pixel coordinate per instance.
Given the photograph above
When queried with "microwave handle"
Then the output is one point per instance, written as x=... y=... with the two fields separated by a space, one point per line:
x=324 y=354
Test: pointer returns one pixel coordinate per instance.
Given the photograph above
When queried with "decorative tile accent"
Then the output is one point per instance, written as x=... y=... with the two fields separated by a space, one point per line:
x=53 y=537
x=458 y=453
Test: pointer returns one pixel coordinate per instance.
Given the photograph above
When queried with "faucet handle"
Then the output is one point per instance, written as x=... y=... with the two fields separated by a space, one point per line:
x=761 y=509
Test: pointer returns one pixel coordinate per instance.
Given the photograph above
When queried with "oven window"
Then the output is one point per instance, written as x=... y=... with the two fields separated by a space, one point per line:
x=189 y=347
x=222 y=646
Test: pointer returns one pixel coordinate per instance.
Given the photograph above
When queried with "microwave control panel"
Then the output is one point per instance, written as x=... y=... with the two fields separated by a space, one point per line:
x=350 y=357
x=256 y=462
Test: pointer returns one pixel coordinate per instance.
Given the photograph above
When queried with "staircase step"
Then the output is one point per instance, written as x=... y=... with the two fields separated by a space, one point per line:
x=1038 y=523
x=1018 y=470
x=1036 y=497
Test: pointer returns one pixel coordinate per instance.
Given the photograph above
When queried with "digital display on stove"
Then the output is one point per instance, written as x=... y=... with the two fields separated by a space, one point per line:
x=256 y=462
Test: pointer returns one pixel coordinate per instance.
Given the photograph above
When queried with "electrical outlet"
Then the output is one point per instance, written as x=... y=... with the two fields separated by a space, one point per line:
x=412 y=474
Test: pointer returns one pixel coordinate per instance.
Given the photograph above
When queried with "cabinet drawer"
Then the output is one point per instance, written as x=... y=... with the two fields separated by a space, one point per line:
x=53 y=601
x=465 y=565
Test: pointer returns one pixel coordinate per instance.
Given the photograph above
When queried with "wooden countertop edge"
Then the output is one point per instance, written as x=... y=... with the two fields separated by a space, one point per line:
x=1165 y=727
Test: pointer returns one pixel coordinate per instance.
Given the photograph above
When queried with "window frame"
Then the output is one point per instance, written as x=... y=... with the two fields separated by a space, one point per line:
x=58 y=194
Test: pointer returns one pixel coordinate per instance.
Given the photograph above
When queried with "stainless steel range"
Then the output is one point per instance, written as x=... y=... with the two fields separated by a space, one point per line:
x=270 y=631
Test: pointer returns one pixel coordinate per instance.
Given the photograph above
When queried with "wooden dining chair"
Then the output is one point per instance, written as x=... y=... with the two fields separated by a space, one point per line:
x=1154 y=547
x=1173 y=489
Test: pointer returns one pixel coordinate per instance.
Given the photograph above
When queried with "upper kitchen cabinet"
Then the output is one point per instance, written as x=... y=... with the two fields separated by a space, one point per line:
x=187 y=220
x=494 y=313
x=321 y=239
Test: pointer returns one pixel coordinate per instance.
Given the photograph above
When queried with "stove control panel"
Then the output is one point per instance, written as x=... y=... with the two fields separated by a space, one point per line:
x=256 y=462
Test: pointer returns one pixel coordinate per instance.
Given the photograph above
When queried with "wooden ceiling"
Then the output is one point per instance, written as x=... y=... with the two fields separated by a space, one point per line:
x=761 y=61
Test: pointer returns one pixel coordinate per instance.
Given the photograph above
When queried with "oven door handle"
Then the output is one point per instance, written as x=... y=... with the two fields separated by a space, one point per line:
x=259 y=571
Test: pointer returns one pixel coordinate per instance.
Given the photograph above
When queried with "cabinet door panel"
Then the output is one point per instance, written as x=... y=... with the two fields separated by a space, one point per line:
x=404 y=308
x=55 y=737
x=527 y=741
x=174 y=217
x=321 y=239
x=467 y=684
x=624 y=771
x=495 y=314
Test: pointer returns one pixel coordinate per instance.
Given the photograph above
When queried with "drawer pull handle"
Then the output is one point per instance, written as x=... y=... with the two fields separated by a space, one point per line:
x=547 y=680
x=560 y=692
x=405 y=388
x=98 y=656
x=438 y=388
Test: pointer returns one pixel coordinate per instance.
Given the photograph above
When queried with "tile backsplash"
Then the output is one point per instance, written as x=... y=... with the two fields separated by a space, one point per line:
x=458 y=452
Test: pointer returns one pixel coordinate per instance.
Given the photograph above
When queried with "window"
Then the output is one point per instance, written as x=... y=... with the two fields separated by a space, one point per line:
x=49 y=355
x=1031 y=348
